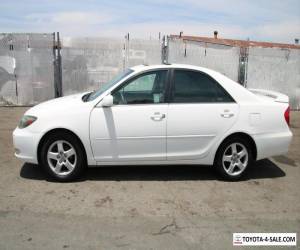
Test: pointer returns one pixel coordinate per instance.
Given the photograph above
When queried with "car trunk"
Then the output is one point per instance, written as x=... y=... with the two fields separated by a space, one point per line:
x=271 y=95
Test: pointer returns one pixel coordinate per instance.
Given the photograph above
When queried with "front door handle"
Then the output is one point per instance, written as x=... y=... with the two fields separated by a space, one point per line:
x=158 y=116
x=227 y=115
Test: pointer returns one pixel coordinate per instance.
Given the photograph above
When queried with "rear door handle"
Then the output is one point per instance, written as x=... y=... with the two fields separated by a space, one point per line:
x=158 y=116
x=227 y=115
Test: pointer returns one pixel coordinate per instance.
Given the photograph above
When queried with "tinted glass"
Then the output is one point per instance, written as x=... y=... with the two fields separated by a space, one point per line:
x=192 y=86
x=146 y=88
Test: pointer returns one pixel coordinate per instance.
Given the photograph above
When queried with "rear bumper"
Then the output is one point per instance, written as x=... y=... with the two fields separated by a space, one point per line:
x=272 y=144
x=26 y=144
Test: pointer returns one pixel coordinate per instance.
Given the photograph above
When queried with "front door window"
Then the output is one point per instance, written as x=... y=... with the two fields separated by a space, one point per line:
x=148 y=88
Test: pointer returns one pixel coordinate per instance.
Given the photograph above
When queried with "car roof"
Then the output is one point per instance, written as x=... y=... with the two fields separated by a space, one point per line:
x=237 y=91
x=143 y=67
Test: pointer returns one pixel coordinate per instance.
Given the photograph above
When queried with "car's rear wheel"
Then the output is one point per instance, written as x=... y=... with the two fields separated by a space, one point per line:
x=233 y=158
x=62 y=157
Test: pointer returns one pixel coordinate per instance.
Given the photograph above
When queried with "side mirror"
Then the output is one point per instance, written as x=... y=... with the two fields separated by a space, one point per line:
x=107 y=101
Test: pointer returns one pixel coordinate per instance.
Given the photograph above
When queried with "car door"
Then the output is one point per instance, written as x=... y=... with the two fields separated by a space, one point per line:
x=134 y=128
x=200 y=111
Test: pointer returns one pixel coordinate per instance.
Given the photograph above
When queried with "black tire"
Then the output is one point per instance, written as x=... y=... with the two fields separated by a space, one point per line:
x=222 y=169
x=79 y=164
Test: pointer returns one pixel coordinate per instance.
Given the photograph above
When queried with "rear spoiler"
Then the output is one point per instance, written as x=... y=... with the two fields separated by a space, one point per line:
x=278 y=97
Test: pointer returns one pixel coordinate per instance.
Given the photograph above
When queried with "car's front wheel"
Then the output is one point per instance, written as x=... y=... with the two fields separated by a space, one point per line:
x=62 y=157
x=233 y=158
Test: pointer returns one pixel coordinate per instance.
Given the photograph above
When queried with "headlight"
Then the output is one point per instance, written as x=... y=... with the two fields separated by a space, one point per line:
x=26 y=121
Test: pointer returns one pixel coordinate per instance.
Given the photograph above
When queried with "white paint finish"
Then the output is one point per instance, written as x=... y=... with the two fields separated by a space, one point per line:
x=65 y=112
x=129 y=132
x=25 y=144
x=254 y=119
x=275 y=96
x=188 y=134
x=193 y=128
x=272 y=144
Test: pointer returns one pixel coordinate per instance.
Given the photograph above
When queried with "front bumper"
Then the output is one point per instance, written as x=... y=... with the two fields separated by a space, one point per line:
x=26 y=144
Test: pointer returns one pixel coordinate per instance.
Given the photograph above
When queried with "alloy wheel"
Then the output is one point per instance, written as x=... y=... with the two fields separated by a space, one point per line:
x=235 y=159
x=61 y=157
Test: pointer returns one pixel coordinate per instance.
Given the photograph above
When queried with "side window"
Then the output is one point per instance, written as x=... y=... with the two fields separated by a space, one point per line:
x=192 y=86
x=144 y=83
x=146 y=88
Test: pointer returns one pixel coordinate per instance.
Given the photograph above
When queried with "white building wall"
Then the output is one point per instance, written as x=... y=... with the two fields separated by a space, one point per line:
x=275 y=69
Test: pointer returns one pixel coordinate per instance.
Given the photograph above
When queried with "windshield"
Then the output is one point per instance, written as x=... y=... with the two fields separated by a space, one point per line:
x=106 y=86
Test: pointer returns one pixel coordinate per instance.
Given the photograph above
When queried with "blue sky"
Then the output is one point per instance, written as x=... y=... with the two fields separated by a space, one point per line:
x=277 y=20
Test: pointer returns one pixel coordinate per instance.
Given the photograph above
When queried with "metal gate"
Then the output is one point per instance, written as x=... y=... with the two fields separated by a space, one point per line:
x=26 y=68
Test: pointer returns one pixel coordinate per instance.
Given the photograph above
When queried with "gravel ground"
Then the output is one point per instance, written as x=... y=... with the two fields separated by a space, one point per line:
x=151 y=207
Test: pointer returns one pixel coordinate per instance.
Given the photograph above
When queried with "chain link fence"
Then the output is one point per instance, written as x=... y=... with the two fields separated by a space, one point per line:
x=88 y=63
x=26 y=68
x=255 y=67
x=224 y=59
x=38 y=67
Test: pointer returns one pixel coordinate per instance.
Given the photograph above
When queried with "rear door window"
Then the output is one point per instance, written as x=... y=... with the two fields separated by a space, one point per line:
x=196 y=87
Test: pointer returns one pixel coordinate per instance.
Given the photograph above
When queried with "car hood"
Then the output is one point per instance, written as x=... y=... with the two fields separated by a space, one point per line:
x=56 y=105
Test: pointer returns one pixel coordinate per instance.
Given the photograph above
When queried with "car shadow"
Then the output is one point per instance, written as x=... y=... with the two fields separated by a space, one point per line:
x=260 y=170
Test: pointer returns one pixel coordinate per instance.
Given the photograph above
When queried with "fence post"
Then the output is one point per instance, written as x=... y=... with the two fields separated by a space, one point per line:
x=126 y=52
x=56 y=92
x=165 y=50
x=59 y=66
x=243 y=66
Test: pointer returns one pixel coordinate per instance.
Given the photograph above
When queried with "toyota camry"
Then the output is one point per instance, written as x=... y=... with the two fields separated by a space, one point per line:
x=156 y=115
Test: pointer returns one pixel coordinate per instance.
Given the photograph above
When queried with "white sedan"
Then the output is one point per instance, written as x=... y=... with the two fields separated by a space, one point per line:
x=163 y=114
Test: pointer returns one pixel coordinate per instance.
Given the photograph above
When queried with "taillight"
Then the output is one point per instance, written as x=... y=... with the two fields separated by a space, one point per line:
x=287 y=116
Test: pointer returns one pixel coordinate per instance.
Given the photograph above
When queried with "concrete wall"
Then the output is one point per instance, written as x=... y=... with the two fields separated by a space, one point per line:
x=223 y=59
x=275 y=69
